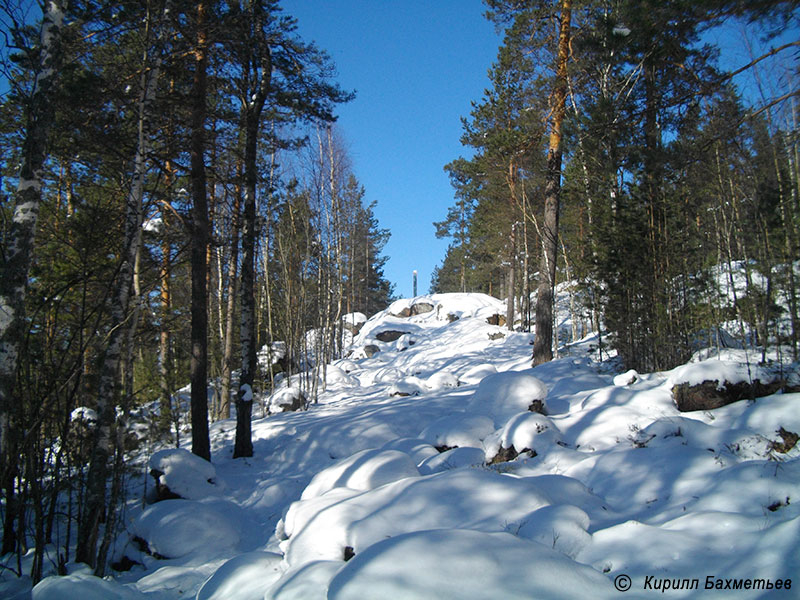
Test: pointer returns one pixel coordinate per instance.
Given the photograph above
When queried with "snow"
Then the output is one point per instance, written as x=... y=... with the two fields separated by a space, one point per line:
x=84 y=586
x=464 y=565
x=719 y=371
x=176 y=528
x=363 y=470
x=186 y=474
x=502 y=395
x=246 y=393
x=627 y=378
x=354 y=319
x=153 y=225
x=371 y=495
x=83 y=414
x=244 y=577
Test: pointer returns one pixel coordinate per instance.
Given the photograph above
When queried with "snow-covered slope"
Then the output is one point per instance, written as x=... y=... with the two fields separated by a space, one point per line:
x=384 y=488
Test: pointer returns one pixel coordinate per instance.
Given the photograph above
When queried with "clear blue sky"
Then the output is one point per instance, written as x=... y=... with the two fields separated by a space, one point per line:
x=415 y=66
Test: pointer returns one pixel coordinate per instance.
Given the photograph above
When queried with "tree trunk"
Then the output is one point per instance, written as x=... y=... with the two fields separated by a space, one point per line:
x=201 y=445
x=104 y=441
x=227 y=352
x=164 y=343
x=543 y=343
x=243 y=445
x=252 y=106
x=15 y=263
x=512 y=284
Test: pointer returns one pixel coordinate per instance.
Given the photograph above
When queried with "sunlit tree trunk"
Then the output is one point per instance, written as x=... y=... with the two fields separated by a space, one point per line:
x=258 y=67
x=543 y=344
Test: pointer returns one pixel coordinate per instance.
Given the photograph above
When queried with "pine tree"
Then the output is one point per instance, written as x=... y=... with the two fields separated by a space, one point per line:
x=542 y=349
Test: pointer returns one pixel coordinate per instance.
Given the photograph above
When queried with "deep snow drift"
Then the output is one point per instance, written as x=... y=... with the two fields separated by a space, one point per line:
x=422 y=473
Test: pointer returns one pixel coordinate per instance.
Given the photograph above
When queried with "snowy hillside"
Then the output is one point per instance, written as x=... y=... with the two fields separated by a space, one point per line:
x=424 y=472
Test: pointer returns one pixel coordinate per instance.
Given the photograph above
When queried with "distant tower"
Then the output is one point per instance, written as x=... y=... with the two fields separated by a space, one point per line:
x=414 y=279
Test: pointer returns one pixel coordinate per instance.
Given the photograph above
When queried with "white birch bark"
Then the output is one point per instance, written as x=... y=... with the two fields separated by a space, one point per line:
x=103 y=449
x=15 y=262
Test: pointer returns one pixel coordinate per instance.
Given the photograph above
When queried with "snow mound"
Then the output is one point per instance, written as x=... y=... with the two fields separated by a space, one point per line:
x=441 y=380
x=454 y=458
x=718 y=370
x=176 y=528
x=466 y=565
x=562 y=527
x=336 y=375
x=477 y=373
x=354 y=320
x=186 y=474
x=306 y=582
x=244 y=577
x=418 y=449
x=286 y=399
x=627 y=378
x=323 y=527
x=363 y=470
x=502 y=395
x=407 y=386
x=524 y=431
x=458 y=431
x=84 y=586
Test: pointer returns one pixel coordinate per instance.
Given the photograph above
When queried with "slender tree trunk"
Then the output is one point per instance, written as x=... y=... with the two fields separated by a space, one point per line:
x=227 y=352
x=104 y=442
x=201 y=445
x=512 y=284
x=243 y=445
x=543 y=343
x=15 y=262
x=164 y=354
x=252 y=106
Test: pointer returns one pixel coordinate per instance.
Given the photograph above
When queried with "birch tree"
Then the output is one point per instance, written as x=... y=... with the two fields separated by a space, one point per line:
x=104 y=444
x=275 y=69
x=15 y=261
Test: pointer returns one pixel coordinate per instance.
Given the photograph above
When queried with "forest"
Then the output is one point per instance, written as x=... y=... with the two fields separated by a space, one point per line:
x=175 y=200
x=613 y=150
x=177 y=206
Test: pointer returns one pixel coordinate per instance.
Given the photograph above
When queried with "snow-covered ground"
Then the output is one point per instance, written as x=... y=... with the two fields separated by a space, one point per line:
x=401 y=482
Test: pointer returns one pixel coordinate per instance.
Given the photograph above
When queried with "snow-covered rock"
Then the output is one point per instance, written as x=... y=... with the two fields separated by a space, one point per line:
x=323 y=527
x=407 y=386
x=179 y=473
x=502 y=395
x=627 y=378
x=441 y=380
x=465 y=564
x=286 y=400
x=83 y=586
x=458 y=430
x=244 y=577
x=712 y=384
x=523 y=432
x=363 y=471
x=176 y=528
